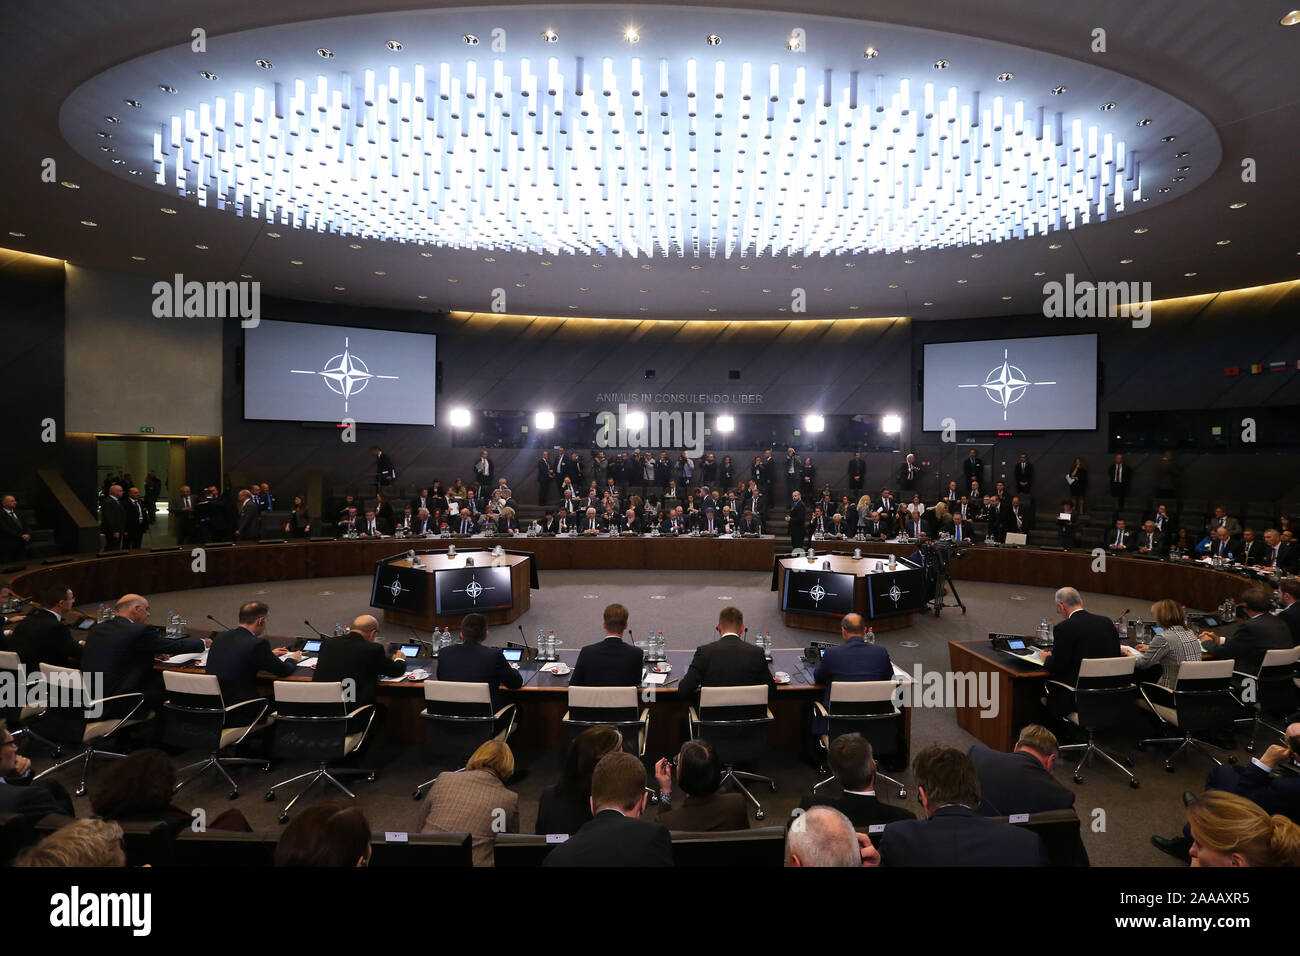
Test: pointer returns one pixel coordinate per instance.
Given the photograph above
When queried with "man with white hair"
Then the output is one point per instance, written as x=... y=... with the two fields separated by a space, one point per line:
x=123 y=647
x=822 y=837
x=1081 y=634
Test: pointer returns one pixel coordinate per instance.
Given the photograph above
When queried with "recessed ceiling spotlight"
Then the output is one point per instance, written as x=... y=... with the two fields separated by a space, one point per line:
x=117 y=162
x=295 y=262
x=853 y=308
x=1107 y=107
x=1040 y=273
x=111 y=119
x=941 y=64
x=1291 y=19
x=745 y=266
x=1141 y=231
x=583 y=288
x=644 y=291
x=107 y=149
x=961 y=281
x=870 y=53
x=550 y=36
x=1059 y=90
x=68 y=184
x=695 y=268
x=1223 y=242
x=706 y=291
x=1183 y=154
x=489 y=259
x=713 y=39
x=426 y=255
x=519 y=285
x=265 y=64
x=246 y=275
x=1167 y=139
x=339 y=288
x=167 y=210
x=132 y=103
x=909 y=262
x=595 y=265
x=1178 y=179
x=394 y=45
x=766 y=291
x=795 y=266
x=927 y=303
x=1006 y=77
x=324 y=53
x=1053 y=245
x=1189 y=274
x=381 y=273
x=1183 y=169
x=453 y=280
x=794 y=44
x=354 y=245
x=644 y=308
x=713 y=308
x=647 y=267
x=102 y=135
x=1164 y=189
x=422 y=297
x=208 y=75
x=1126 y=262
x=134 y=172
x=89 y=222
x=17 y=235
x=893 y=285
x=199 y=245
x=827 y=289
x=1006 y=298
x=167 y=89
x=470 y=39
x=632 y=35
x=977 y=255
x=1144 y=122
x=273 y=235
x=138 y=258
x=1236 y=205
x=545 y=262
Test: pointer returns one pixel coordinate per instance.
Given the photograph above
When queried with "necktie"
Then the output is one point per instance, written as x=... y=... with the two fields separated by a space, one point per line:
x=1221 y=546
x=1273 y=560
x=1119 y=538
x=958 y=538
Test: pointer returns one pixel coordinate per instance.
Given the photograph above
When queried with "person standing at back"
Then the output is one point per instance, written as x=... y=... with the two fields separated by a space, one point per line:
x=728 y=661
x=610 y=662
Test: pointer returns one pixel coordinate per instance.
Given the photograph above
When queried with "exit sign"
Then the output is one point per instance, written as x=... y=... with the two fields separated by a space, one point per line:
x=146 y=430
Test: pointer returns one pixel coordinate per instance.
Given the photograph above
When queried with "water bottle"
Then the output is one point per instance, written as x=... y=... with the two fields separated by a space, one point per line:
x=103 y=613
x=1044 y=632
x=550 y=645
x=870 y=637
x=182 y=625
x=537 y=644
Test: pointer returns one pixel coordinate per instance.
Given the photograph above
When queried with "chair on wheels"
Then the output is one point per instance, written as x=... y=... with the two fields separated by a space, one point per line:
x=1201 y=701
x=1103 y=696
x=617 y=707
x=196 y=716
x=73 y=718
x=22 y=714
x=312 y=721
x=1274 y=691
x=869 y=708
x=735 y=721
x=461 y=718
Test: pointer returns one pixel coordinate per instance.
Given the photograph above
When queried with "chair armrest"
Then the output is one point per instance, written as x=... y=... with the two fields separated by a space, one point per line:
x=133 y=695
x=1061 y=684
x=362 y=709
x=249 y=704
x=509 y=707
x=819 y=709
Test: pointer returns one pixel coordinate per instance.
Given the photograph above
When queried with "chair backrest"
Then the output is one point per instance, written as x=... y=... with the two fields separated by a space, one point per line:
x=197 y=685
x=734 y=720
x=194 y=711
x=1275 y=690
x=521 y=849
x=457 y=700
x=423 y=849
x=223 y=848
x=1203 y=696
x=311 y=719
x=745 y=696
x=603 y=705
x=1060 y=832
x=460 y=718
x=1105 y=692
x=9 y=661
x=867 y=708
x=763 y=846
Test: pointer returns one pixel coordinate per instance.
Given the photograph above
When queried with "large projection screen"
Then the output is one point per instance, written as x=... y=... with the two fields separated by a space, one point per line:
x=294 y=371
x=1047 y=383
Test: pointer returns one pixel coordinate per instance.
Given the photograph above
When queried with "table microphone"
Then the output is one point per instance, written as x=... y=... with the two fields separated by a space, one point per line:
x=532 y=653
x=218 y=623
x=313 y=627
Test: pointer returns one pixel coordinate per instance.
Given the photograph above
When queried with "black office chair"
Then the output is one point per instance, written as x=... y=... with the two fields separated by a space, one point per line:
x=1103 y=696
x=73 y=717
x=19 y=718
x=1272 y=692
x=868 y=708
x=197 y=717
x=313 y=721
x=759 y=847
x=1201 y=702
x=735 y=721
x=461 y=719
x=617 y=707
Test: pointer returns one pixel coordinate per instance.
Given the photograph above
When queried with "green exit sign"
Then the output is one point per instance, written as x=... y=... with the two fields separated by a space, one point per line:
x=146 y=430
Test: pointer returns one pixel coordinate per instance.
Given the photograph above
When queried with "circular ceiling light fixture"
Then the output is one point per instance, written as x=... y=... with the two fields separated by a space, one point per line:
x=550 y=36
x=870 y=53
x=265 y=64
x=470 y=39
x=713 y=39
x=394 y=45
x=324 y=53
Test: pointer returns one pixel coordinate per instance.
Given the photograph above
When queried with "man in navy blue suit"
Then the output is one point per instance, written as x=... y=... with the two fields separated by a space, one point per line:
x=854 y=659
x=1256 y=782
x=611 y=662
x=473 y=662
x=954 y=833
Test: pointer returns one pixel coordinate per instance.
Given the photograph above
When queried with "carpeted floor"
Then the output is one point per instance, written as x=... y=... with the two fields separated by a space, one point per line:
x=1118 y=820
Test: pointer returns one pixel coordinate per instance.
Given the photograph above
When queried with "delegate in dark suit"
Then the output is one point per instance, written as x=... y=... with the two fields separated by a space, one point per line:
x=123 y=652
x=1081 y=635
x=1275 y=794
x=473 y=663
x=352 y=657
x=137 y=519
x=854 y=660
x=236 y=658
x=112 y=523
x=248 y=520
x=1291 y=617
x=12 y=529
x=1252 y=638
x=34 y=798
x=958 y=836
x=1016 y=783
x=726 y=662
x=863 y=810
x=611 y=839
x=608 y=663
x=798 y=515
x=41 y=638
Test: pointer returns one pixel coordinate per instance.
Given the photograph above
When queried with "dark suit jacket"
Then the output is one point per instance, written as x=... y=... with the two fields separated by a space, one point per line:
x=864 y=811
x=34 y=798
x=111 y=518
x=611 y=839
x=353 y=657
x=717 y=811
x=123 y=652
x=1292 y=618
x=236 y=658
x=1016 y=783
x=798 y=513
x=1119 y=488
x=12 y=545
x=559 y=813
x=1125 y=538
x=473 y=663
x=726 y=662
x=1082 y=635
x=854 y=660
x=857 y=470
x=1024 y=476
x=608 y=663
x=1253 y=553
x=916 y=529
x=381 y=526
x=1251 y=639
x=1159 y=547
x=973 y=470
x=41 y=638
x=135 y=514
x=958 y=836
x=1275 y=794
x=249 y=525
x=908 y=481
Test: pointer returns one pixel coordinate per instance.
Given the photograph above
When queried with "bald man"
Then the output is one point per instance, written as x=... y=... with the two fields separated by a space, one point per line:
x=122 y=649
x=822 y=837
x=356 y=657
